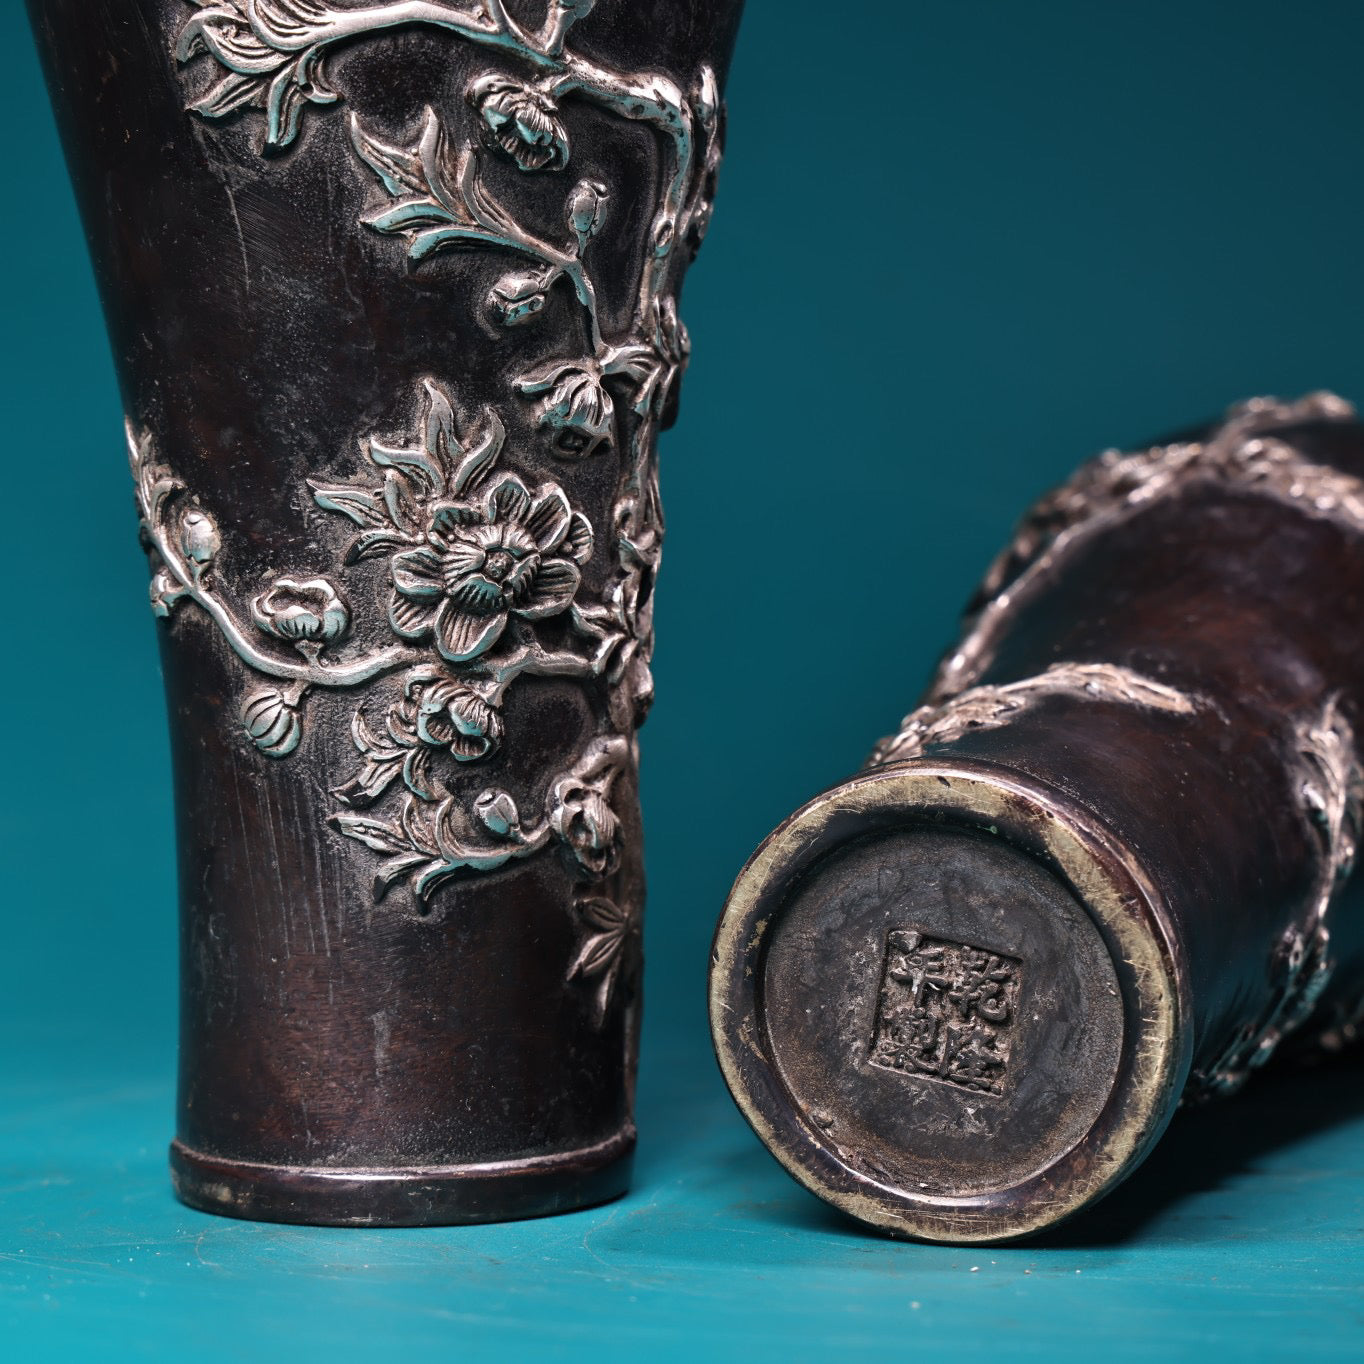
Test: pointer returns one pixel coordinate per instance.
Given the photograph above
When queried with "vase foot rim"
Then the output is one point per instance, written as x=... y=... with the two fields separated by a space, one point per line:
x=405 y=1196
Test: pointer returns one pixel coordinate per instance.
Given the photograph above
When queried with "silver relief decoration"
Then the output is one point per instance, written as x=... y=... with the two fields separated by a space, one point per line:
x=1241 y=452
x=1331 y=789
x=987 y=707
x=477 y=554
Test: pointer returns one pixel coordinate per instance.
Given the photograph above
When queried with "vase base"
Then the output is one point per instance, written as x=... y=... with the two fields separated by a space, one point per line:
x=843 y=948
x=419 y=1196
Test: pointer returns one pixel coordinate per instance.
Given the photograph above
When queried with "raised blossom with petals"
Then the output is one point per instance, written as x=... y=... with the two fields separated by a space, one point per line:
x=448 y=715
x=261 y=43
x=436 y=713
x=510 y=554
x=307 y=611
x=575 y=407
x=521 y=122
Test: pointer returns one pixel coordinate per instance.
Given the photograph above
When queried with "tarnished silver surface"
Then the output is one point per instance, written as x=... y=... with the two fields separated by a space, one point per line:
x=1110 y=487
x=1116 y=484
x=391 y=288
x=1331 y=788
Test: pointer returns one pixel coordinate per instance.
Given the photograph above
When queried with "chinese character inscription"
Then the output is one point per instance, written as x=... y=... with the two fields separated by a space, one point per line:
x=945 y=1011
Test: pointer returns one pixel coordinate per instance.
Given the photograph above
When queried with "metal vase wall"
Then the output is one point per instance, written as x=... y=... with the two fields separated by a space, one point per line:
x=392 y=292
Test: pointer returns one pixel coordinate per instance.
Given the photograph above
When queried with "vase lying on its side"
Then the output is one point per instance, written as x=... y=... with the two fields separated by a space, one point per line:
x=1102 y=868
x=392 y=295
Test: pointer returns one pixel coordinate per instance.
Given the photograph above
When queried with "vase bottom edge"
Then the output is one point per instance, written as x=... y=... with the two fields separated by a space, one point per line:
x=416 y=1196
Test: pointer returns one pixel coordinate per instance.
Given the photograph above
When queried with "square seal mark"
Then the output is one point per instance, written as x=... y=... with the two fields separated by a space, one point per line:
x=945 y=1011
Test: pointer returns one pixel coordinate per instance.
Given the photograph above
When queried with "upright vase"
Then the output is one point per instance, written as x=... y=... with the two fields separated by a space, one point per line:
x=392 y=293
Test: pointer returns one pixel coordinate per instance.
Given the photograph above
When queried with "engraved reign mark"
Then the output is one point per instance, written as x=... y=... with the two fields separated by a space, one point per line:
x=945 y=1011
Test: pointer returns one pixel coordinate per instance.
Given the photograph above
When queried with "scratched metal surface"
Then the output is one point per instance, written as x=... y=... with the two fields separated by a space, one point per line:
x=1065 y=282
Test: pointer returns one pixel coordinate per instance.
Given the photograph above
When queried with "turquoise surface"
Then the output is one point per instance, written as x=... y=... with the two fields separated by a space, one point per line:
x=1242 y=1237
x=958 y=248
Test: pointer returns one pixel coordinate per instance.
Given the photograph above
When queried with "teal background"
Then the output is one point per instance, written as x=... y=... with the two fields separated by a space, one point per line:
x=959 y=247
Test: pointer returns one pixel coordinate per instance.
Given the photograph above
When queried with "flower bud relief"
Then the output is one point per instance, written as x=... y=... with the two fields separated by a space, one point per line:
x=587 y=208
x=198 y=536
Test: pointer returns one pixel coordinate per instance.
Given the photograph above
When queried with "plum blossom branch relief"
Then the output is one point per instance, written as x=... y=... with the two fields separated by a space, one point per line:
x=483 y=562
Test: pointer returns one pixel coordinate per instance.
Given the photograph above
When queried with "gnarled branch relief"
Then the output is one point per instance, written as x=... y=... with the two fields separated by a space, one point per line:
x=988 y=707
x=485 y=562
x=1241 y=452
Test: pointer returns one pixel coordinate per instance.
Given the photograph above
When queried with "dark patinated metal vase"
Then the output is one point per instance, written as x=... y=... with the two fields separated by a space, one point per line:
x=1101 y=869
x=392 y=295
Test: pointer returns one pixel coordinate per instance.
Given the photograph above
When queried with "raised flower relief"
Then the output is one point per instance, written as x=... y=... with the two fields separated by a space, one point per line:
x=437 y=714
x=521 y=122
x=310 y=612
x=472 y=548
x=581 y=815
x=474 y=555
x=574 y=406
x=510 y=554
x=431 y=841
x=440 y=203
x=448 y=715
